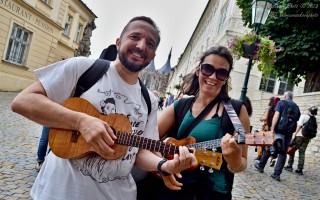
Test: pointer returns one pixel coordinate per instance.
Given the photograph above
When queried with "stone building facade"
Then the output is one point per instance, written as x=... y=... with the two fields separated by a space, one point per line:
x=157 y=80
x=220 y=21
x=35 y=33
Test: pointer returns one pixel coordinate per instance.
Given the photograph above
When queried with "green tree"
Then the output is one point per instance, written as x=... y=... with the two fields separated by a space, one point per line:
x=294 y=26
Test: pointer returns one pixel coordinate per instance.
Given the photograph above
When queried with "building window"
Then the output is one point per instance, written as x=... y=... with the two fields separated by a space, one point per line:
x=18 y=45
x=46 y=1
x=67 y=26
x=284 y=86
x=267 y=84
x=78 y=32
x=223 y=18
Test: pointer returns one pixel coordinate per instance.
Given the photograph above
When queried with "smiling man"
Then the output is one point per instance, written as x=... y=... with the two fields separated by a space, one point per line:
x=91 y=176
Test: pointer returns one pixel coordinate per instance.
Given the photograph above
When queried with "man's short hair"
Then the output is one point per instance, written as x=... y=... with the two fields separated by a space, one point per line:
x=289 y=94
x=145 y=19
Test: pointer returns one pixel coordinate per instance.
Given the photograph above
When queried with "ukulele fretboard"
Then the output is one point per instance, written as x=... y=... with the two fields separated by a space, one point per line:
x=146 y=143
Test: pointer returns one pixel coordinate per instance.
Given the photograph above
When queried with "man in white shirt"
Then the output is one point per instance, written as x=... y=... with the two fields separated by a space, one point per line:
x=93 y=177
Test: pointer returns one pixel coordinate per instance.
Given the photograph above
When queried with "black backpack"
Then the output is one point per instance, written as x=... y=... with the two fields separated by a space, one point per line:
x=95 y=72
x=288 y=119
x=309 y=129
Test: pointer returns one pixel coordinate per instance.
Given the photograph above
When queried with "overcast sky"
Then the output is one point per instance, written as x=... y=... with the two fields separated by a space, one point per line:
x=176 y=20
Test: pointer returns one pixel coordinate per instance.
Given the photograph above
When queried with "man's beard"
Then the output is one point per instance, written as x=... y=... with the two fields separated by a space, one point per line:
x=131 y=66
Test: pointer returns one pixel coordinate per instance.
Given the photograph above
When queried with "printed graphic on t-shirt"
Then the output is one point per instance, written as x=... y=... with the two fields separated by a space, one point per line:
x=100 y=169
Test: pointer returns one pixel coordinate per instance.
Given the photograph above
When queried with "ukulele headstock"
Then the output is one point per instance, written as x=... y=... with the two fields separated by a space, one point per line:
x=262 y=138
x=209 y=158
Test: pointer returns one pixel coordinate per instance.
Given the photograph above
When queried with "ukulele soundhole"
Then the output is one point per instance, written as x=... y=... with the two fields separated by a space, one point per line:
x=75 y=136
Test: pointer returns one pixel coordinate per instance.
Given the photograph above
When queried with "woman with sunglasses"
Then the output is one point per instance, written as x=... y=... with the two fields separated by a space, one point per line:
x=208 y=82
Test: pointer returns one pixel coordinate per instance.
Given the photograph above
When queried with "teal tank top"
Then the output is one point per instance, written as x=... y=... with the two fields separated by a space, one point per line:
x=205 y=130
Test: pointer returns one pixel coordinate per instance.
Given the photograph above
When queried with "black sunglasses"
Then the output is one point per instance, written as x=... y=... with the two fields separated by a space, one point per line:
x=208 y=70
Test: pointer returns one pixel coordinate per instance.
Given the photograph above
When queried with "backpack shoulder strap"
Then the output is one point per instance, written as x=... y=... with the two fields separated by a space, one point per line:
x=181 y=109
x=226 y=123
x=91 y=76
x=145 y=95
x=95 y=72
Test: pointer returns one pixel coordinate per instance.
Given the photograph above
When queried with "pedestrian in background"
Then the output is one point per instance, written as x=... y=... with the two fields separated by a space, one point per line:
x=42 y=147
x=267 y=122
x=301 y=142
x=284 y=132
x=161 y=101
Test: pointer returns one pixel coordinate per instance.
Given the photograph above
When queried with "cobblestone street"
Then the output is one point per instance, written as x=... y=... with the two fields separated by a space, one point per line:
x=18 y=145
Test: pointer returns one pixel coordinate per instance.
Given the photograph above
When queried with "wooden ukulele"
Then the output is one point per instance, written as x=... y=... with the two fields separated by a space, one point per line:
x=256 y=139
x=70 y=144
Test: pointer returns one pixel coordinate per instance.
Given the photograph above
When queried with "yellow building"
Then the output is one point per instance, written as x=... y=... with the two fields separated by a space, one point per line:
x=35 y=33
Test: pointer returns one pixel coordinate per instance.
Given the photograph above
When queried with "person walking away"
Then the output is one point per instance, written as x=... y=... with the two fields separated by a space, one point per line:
x=92 y=176
x=161 y=100
x=42 y=147
x=284 y=124
x=300 y=141
x=267 y=121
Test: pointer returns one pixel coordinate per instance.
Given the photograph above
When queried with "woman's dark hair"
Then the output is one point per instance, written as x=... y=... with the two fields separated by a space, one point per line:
x=248 y=105
x=273 y=101
x=313 y=110
x=222 y=51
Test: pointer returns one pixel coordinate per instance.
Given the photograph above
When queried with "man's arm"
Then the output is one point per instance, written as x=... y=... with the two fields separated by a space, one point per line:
x=300 y=123
x=33 y=104
x=297 y=131
x=275 y=120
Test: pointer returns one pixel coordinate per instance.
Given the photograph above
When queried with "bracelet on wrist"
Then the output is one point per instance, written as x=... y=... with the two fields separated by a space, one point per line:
x=235 y=171
x=163 y=173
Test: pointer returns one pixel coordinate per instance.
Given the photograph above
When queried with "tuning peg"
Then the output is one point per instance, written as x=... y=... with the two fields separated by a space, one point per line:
x=204 y=153
x=203 y=161
x=202 y=168
x=214 y=150
x=213 y=154
x=210 y=171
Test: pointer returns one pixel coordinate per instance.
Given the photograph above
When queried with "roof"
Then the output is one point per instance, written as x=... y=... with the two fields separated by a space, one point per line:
x=166 y=69
x=85 y=5
x=151 y=66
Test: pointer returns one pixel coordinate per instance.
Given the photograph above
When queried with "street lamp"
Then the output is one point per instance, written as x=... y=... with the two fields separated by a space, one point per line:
x=260 y=12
